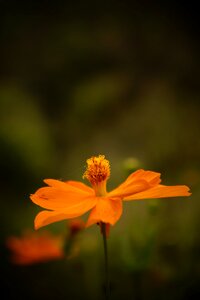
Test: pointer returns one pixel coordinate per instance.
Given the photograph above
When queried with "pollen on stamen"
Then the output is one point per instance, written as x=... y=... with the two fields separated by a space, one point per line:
x=98 y=169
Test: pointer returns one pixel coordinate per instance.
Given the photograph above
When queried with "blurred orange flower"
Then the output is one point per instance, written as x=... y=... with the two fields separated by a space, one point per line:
x=70 y=199
x=34 y=248
x=75 y=226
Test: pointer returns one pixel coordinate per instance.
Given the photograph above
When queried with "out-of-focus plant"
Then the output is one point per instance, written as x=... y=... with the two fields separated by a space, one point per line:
x=36 y=247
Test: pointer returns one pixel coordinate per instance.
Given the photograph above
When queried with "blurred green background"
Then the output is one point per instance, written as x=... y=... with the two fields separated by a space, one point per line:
x=119 y=78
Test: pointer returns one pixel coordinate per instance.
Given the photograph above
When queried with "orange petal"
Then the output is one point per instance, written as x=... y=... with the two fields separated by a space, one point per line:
x=136 y=182
x=57 y=199
x=150 y=176
x=106 y=210
x=129 y=189
x=47 y=217
x=161 y=191
x=153 y=178
x=75 y=186
x=81 y=186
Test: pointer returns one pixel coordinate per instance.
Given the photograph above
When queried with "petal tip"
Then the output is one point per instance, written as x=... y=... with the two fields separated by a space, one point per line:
x=187 y=191
x=36 y=226
x=47 y=181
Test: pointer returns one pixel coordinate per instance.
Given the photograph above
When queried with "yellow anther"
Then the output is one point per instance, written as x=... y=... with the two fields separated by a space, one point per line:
x=98 y=170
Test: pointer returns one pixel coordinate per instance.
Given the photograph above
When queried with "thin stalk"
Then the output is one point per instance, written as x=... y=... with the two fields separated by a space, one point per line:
x=107 y=282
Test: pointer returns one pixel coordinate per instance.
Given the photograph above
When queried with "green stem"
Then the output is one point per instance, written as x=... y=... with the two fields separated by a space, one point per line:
x=107 y=282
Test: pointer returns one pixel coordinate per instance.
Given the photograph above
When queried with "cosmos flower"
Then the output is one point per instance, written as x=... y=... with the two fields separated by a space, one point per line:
x=34 y=247
x=70 y=199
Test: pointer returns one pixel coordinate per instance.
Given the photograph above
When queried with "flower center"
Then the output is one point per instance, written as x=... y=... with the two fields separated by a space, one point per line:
x=97 y=173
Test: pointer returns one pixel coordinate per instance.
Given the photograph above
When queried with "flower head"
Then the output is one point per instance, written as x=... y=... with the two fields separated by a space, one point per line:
x=34 y=247
x=98 y=169
x=97 y=173
x=70 y=199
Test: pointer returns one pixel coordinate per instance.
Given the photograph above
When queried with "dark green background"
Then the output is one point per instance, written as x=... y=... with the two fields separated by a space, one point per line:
x=119 y=78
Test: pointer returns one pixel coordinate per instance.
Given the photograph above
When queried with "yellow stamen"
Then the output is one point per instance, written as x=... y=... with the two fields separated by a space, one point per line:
x=97 y=173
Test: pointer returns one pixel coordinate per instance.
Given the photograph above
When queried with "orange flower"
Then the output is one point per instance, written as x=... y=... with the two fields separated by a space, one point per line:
x=33 y=248
x=70 y=199
x=75 y=226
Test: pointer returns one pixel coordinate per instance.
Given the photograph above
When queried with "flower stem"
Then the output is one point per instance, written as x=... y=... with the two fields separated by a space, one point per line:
x=107 y=282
